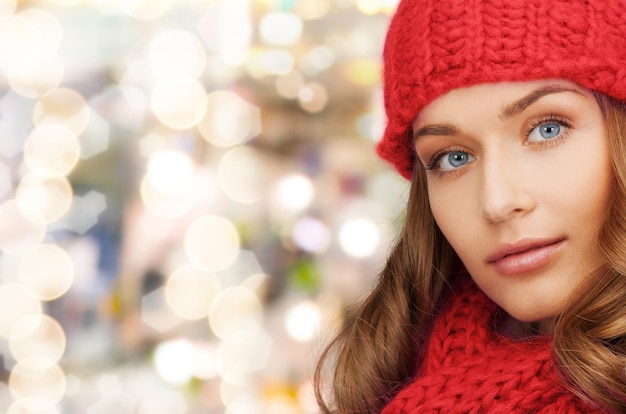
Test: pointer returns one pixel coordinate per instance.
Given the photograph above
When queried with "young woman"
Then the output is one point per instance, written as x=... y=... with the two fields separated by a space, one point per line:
x=506 y=290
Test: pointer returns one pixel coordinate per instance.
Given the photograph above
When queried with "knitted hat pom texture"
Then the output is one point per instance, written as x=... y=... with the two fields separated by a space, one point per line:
x=434 y=46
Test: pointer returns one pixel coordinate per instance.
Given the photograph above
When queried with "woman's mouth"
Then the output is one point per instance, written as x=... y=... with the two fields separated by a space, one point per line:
x=524 y=256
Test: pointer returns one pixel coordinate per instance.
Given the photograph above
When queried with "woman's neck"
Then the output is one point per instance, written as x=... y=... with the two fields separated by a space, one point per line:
x=510 y=327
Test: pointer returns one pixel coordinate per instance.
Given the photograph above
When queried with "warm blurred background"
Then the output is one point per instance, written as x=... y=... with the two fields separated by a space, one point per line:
x=189 y=198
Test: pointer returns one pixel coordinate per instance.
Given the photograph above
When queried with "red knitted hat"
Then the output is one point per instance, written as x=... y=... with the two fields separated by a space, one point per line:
x=434 y=46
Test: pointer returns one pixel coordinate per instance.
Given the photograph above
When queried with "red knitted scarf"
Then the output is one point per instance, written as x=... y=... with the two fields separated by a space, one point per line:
x=469 y=368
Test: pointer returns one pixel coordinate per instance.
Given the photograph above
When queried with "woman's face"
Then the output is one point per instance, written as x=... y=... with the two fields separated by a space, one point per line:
x=519 y=182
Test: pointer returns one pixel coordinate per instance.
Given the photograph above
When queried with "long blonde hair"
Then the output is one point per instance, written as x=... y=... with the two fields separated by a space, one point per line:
x=590 y=336
x=378 y=350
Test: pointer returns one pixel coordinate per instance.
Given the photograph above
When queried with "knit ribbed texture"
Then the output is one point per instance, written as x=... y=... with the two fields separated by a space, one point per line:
x=468 y=368
x=434 y=46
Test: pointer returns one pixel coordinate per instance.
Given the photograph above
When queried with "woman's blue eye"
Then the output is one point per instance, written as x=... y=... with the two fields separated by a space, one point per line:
x=545 y=131
x=453 y=160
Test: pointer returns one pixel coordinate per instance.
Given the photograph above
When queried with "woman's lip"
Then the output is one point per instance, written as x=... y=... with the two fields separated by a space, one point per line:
x=524 y=256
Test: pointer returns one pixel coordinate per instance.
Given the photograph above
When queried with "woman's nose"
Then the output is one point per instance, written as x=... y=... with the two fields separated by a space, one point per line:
x=504 y=189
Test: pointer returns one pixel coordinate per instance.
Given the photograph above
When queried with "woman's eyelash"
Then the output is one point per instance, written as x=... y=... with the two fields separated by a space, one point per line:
x=434 y=160
x=432 y=164
x=547 y=119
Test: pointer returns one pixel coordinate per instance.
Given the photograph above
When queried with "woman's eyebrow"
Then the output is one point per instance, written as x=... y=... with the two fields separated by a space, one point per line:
x=517 y=107
x=435 y=129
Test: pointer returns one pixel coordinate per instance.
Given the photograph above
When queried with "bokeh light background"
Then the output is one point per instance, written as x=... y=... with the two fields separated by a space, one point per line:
x=189 y=198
